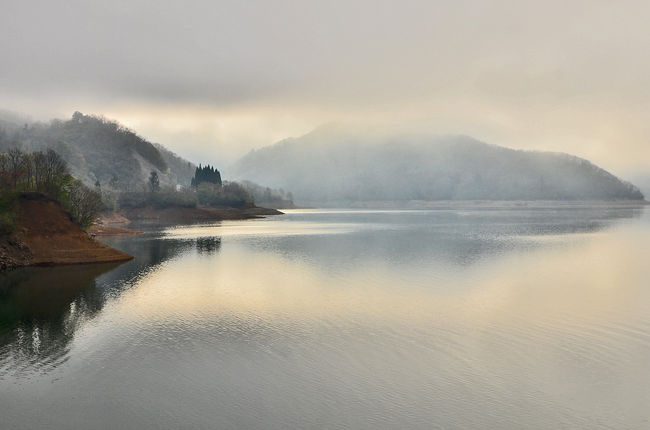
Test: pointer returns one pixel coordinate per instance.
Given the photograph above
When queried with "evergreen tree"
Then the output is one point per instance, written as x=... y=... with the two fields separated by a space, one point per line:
x=206 y=174
x=154 y=182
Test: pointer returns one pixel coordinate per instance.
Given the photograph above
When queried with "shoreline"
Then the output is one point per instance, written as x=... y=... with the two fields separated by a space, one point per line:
x=462 y=204
x=44 y=235
x=116 y=223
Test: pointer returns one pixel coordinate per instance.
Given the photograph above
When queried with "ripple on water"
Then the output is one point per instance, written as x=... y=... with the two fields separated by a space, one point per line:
x=427 y=319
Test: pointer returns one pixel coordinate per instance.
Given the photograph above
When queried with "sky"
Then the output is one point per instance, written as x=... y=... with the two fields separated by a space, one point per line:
x=212 y=79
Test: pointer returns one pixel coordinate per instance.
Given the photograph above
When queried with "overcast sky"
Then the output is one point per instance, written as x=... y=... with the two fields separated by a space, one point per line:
x=211 y=79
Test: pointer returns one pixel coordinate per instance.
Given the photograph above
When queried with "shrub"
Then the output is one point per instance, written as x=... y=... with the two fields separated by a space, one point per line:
x=83 y=203
x=8 y=218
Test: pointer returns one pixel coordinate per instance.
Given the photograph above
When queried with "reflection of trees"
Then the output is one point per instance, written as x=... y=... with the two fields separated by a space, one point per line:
x=208 y=245
x=147 y=252
x=41 y=308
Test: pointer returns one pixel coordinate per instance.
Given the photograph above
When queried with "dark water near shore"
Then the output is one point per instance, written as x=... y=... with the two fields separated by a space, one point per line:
x=479 y=318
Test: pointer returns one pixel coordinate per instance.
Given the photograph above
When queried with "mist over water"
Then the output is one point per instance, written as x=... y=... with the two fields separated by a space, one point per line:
x=452 y=318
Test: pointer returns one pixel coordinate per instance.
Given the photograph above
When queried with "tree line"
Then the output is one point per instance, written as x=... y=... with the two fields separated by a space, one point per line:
x=207 y=189
x=206 y=174
x=47 y=173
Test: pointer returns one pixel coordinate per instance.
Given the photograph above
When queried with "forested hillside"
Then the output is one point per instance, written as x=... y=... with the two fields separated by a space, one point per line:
x=125 y=169
x=329 y=165
x=98 y=150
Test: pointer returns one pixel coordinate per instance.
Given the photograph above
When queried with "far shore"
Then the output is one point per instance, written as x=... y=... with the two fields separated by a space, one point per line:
x=451 y=204
x=116 y=223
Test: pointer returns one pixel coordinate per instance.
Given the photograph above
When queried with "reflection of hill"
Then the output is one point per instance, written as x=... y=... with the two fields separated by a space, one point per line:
x=42 y=307
x=148 y=250
x=459 y=237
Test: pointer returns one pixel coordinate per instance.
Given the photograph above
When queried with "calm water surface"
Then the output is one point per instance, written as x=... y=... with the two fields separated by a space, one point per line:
x=476 y=318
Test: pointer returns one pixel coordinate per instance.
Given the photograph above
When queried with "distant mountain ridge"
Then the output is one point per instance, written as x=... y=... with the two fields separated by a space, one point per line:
x=333 y=165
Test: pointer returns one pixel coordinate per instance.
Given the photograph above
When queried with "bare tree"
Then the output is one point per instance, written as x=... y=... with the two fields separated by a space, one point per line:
x=15 y=166
x=84 y=204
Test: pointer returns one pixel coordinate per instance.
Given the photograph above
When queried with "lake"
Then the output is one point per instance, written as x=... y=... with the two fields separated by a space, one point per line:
x=463 y=317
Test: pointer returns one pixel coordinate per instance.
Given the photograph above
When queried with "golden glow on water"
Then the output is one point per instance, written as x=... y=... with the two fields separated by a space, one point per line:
x=257 y=228
x=584 y=274
x=358 y=320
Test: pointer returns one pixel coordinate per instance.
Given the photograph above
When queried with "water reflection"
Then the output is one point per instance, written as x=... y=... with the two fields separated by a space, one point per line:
x=450 y=319
x=208 y=245
x=460 y=237
x=42 y=307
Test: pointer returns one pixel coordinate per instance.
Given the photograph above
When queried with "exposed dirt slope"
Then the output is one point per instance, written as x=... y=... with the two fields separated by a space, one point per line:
x=45 y=235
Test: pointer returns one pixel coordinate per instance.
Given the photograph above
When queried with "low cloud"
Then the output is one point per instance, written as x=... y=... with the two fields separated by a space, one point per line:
x=206 y=77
